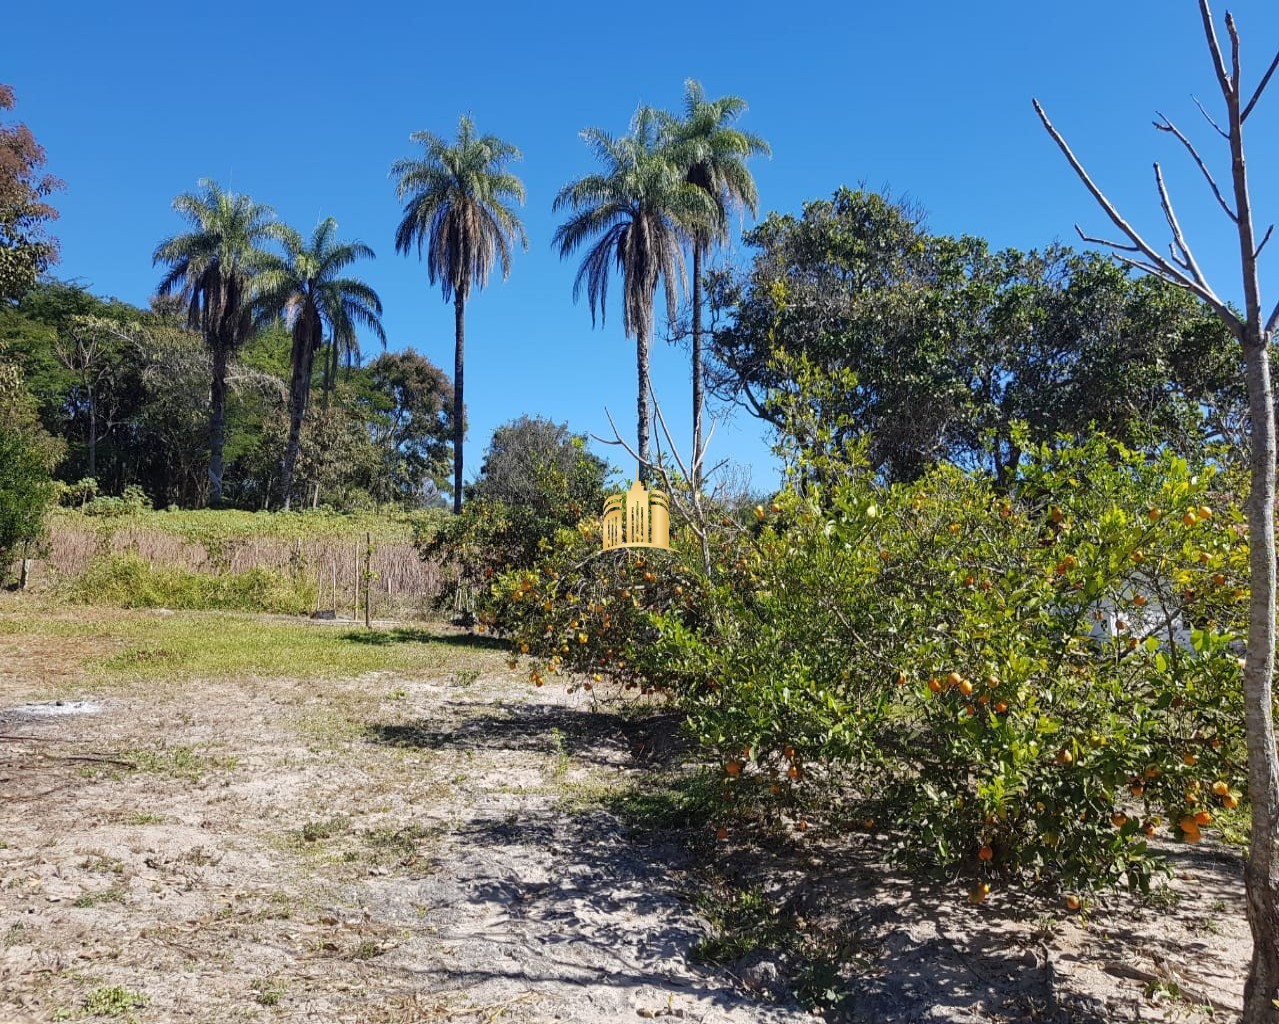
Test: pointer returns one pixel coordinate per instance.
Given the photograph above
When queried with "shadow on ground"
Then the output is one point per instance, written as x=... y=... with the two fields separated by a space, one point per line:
x=595 y=737
x=412 y=635
x=574 y=896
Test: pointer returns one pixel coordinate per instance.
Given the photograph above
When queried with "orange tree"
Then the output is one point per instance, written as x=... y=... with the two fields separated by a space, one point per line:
x=1015 y=683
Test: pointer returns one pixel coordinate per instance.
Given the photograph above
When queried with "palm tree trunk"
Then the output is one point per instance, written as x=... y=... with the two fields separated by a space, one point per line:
x=641 y=365
x=697 y=367
x=459 y=427
x=217 y=421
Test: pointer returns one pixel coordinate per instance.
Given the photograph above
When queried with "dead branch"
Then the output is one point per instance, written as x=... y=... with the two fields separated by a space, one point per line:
x=1188 y=258
x=1236 y=76
x=1158 y=265
x=1265 y=81
x=1269 y=231
x=1208 y=117
x=1214 y=48
x=1165 y=125
x=1105 y=241
x=91 y=758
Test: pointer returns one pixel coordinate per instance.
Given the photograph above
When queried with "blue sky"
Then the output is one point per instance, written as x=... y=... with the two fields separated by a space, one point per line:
x=306 y=106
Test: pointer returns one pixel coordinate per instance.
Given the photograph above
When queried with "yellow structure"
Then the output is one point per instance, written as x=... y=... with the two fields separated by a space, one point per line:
x=638 y=519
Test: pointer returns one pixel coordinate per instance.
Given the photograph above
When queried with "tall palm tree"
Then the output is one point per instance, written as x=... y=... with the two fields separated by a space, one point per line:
x=457 y=210
x=212 y=267
x=713 y=154
x=306 y=285
x=634 y=214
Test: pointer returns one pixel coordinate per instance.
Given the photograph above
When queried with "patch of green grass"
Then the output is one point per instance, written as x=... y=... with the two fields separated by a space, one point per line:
x=145 y=818
x=403 y=846
x=267 y=992
x=366 y=950
x=180 y=762
x=671 y=803
x=115 y=894
x=320 y=830
x=102 y=864
x=114 y=1001
x=1162 y=897
x=220 y=645
x=741 y=921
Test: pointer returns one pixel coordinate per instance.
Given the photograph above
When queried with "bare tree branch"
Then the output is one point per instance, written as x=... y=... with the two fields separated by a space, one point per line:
x=1165 y=125
x=1236 y=76
x=1269 y=231
x=1208 y=117
x=1158 y=266
x=1171 y=215
x=1142 y=265
x=1273 y=322
x=1265 y=81
x=1214 y=48
x=1105 y=241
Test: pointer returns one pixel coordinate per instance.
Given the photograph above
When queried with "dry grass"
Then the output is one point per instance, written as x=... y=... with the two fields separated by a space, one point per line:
x=327 y=549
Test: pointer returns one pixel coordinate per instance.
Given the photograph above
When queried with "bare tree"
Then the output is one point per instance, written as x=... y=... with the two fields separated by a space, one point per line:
x=1254 y=331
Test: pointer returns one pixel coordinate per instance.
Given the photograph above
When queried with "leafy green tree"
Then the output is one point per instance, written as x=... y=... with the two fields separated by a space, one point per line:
x=307 y=287
x=538 y=480
x=633 y=216
x=945 y=341
x=537 y=464
x=457 y=209
x=27 y=455
x=26 y=249
x=213 y=267
x=34 y=328
x=411 y=419
x=714 y=155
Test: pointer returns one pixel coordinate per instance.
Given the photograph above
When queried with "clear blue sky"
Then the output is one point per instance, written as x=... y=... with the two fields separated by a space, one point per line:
x=306 y=106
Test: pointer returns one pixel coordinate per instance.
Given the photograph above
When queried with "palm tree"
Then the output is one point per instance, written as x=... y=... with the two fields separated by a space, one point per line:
x=457 y=209
x=306 y=285
x=640 y=207
x=212 y=267
x=713 y=154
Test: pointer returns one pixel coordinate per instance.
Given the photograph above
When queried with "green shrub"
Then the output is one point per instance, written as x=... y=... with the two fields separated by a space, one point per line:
x=926 y=658
x=132 y=502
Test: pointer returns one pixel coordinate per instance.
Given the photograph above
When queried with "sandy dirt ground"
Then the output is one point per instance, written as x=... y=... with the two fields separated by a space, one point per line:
x=422 y=848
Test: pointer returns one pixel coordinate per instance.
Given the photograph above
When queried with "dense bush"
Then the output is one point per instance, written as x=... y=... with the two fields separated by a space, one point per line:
x=990 y=675
x=537 y=479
